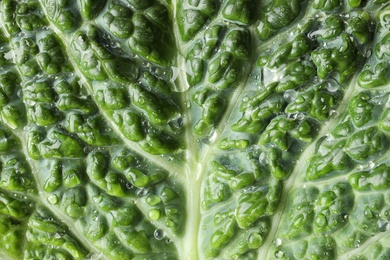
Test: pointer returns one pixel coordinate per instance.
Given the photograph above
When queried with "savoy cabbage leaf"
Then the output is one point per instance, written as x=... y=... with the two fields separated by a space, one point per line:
x=194 y=129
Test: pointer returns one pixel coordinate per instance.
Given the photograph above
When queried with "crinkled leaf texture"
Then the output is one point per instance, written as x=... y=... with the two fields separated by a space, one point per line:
x=194 y=129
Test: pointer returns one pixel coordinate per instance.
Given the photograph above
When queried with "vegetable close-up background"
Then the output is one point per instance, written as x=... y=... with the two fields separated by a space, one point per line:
x=194 y=129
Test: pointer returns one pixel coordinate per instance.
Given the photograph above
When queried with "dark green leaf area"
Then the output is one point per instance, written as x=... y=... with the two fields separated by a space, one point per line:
x=227 y=233
x=28 y=17
x=112 y=97
x=4 y=50
x=258 y=109
x=326 y=5
x=361 y=108
x=8 y=10
x=227 y=144
x=55 y=143
x=120 y=182
x=109 y=219
x=62 y=14
x=47 y=237
x=145 y=26
x=284 y=132
x=211 y=104
x=287 y=67
x=192 y=15
x=297 y=48
x=93 y=130
x=332 y=27
x=147 y=37
x=381 y=49
x=9 y=87
x=225 y=180
x=140 y=4
x=51 y=58
x=159 y=143
x=297 y=73
x=319 y=101
x=166 y=206
x=250 y=193
x=24 y=16
x=82 y=104
x=377 y=178
x=39 y=97
x=11 y=237
x=238 y=11
x=367 y=144
x=343 y=59
x=313 y=210
x=67 y=173
x=15 y=207
x=360 y=27
x=27 y=50
x=97 y=61
x=117 y=19
x=354 y=3
x=8 y=141
x=300 y=213
x=90 y=8
x=122 y=175
x=276 y=15
x=332 y=208
x=98 y=170
x=223 y=53
x=374 y=76
x=158 y=112
x=15 y=173
x=154 y=122
x=384 y=120
x=284 y=139
x=256 y=204
x=202 y=51
x=229 y=177
x=330 y=158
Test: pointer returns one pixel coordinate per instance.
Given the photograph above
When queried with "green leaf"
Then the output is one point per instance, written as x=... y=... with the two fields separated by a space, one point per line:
x=194 y=129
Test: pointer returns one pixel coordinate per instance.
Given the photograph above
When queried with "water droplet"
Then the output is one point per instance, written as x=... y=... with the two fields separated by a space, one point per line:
x=332 y=112
x=332 y=85
x=263 y=158
x=159 y=234
x=279 y=254
x=53 y=199
x=383 y=225
x=370 y=165
x=278 y=242
x=290 y=95
x=141 y=192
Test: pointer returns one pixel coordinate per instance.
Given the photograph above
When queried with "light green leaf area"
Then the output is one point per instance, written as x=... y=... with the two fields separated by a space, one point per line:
x=194 y=129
